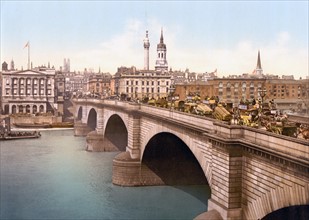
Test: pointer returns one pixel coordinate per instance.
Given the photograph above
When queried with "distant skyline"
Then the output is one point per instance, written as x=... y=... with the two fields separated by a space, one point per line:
x=200 y=35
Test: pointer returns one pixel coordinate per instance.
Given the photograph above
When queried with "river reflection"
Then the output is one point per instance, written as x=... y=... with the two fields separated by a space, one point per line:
x=53 y=177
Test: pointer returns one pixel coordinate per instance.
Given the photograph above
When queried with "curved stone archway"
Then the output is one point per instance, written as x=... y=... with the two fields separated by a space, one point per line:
x=276 y=199
x=79 y=113
x=172 y=162
x=197 y=146
x=116 y=133
x=92 y=119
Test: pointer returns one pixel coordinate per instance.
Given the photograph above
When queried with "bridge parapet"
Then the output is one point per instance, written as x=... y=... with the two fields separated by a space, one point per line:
x=186 y=118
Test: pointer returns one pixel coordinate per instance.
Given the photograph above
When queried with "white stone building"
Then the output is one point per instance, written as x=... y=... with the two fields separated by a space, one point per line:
x=28 y=91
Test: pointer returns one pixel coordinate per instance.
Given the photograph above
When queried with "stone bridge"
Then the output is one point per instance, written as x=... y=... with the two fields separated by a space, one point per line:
x=251 y=172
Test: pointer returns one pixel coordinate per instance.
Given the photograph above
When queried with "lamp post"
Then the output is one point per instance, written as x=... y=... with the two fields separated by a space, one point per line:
x=171 y=95
x=262 y=93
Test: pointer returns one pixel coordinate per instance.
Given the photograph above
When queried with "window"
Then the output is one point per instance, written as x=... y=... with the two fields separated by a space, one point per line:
x=152 y=83
x=158 y=83
x=136 y=82
x=42 y=92
x=48 y=82
x=28 y=81
x=7 y=81
x=21 y=91
x=35 y=91
x=28 y=91
x=7 y=91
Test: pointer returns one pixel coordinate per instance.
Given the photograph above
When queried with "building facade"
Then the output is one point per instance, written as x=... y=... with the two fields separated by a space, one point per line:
x=288 y=94
x=28 y=91
x=99 y=84
x=138 y=84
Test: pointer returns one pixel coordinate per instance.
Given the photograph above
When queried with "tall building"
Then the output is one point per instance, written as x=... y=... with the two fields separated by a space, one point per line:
x=161 y=62
x=66 y=65
x=146 y=52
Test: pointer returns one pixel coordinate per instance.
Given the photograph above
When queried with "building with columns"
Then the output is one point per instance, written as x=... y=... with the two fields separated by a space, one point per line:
x=28 y=91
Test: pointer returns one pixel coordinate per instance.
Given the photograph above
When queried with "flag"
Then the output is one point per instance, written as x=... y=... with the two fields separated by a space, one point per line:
x=27 y=45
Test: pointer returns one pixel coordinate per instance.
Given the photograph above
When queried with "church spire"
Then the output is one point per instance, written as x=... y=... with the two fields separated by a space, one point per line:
x=161 y=38
x=161 y=62
x=258 y=70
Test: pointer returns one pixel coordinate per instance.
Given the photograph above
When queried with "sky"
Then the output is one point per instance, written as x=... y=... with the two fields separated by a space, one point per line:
x=199 y=35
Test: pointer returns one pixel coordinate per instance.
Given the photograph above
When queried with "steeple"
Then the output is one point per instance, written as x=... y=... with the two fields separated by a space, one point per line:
x=258 y=69
x=161 y=62
x=161 y=38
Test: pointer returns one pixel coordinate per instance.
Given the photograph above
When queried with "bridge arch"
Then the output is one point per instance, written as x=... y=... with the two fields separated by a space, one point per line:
x=172 y=160
x=196 y=146
x=276 y=199
x=116 y=132
x=79 y=113
x=92 y=119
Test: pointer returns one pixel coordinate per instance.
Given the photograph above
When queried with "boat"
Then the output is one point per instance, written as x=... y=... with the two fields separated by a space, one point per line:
x=15 y=135
x=32 y=125
x=62 y=125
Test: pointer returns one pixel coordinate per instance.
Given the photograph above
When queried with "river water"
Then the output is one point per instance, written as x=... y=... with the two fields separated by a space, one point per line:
x=53 y=177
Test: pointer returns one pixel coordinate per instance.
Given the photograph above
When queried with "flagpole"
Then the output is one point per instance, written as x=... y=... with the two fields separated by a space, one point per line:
x=28 y=55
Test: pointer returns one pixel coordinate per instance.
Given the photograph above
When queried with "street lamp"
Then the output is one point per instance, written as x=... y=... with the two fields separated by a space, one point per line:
x=262 y=93
x=171 y=94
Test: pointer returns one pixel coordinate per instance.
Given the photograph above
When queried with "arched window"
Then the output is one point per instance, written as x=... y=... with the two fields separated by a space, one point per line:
x=20 y=109
x=34 y=109
x=13 y=109
x=27 y=108
x=41 y=108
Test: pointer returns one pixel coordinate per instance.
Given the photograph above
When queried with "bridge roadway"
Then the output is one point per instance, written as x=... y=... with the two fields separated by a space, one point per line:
x=251 y=172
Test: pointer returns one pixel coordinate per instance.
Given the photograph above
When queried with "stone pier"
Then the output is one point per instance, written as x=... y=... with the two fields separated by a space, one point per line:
x=81 y=129
x=97 y=143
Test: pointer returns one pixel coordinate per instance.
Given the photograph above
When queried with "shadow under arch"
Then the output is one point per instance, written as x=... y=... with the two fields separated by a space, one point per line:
x=92 y=119
x=172 y=160
x=299 y=212
x=80 y=113
x=116 y=132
